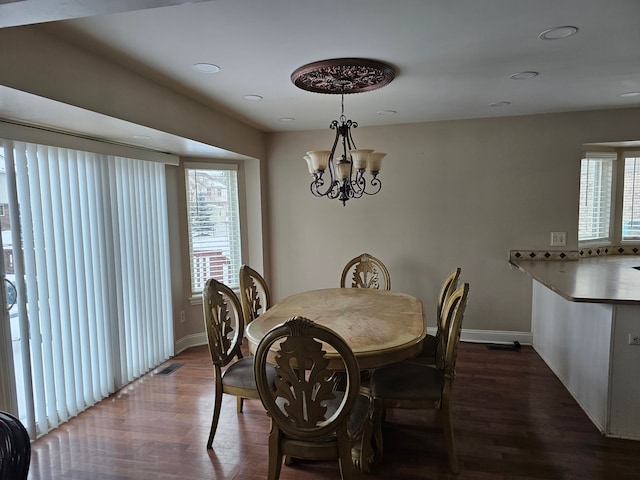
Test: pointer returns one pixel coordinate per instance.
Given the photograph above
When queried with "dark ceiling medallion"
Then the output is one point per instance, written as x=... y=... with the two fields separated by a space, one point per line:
x=343 y=75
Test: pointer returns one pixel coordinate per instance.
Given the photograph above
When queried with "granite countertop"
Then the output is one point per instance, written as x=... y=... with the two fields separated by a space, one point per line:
x=605 y=279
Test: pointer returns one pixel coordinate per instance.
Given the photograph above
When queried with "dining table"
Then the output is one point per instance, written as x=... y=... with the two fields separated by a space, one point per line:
x=381 y=327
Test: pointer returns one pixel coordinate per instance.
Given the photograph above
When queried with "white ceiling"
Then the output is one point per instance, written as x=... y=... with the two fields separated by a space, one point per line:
x=452 y=58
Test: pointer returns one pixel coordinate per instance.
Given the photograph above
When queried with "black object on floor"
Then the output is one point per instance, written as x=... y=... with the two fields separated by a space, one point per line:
x=515 y=347
x=169 y=369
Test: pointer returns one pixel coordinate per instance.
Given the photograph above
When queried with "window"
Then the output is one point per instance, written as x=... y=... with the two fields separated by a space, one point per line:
x=609 y=198
x=214 y=224
x=596 y=176
x=631 y=198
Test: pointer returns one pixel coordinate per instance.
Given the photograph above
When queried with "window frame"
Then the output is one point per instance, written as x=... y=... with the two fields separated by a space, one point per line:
x=194 y=294
x=626 y=155
x=595 y=156
x=619 y=156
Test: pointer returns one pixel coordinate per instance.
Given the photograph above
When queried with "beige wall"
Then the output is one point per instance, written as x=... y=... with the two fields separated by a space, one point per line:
x=456 y=193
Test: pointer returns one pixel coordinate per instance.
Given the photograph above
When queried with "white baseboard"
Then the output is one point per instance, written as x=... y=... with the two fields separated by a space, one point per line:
x=189 y=341
x=492 y=336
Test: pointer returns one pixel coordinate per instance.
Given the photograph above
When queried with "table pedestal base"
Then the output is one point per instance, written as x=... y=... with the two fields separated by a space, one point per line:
x=367 y=450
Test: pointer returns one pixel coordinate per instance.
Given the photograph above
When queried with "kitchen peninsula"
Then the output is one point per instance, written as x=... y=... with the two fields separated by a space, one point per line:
x=585 y=316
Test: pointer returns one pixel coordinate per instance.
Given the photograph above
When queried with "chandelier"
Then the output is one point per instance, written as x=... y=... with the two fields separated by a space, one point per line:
x=346 y=170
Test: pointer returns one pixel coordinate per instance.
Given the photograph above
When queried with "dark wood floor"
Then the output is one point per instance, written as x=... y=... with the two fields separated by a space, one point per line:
x=513 y=420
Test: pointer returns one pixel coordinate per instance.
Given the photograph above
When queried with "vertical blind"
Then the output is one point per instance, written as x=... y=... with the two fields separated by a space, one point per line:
x=92 y=276
x=596 y=178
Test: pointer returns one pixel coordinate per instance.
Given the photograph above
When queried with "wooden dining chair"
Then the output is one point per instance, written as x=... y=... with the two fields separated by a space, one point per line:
x=311 y=407
x=411 y=385
x=366 y=272
x=15 y=448
x=432 y=343
x=224 y=325
x=254 y=293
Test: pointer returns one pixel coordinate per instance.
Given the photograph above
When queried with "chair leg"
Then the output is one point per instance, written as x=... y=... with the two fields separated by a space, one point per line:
x=275 y=454
x=448 y=435
x=217 y=404
x=239 y=404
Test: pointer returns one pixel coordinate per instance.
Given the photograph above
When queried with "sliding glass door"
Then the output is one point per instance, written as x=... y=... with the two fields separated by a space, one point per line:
x=10 y=349
x=86 y=246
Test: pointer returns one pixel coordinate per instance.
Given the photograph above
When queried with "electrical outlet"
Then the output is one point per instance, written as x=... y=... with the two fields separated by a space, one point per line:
x=634 y=339
x=558 y=239
x=182 y=319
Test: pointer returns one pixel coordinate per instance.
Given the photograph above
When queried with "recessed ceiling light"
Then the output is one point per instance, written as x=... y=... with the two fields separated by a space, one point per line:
x=557 y=33
x=287 y=119
x=205 y=67
x=142 y=137
x=252 y=98
x=524 y=75
x=630 y=94
x=387 y=112
x=499 y=104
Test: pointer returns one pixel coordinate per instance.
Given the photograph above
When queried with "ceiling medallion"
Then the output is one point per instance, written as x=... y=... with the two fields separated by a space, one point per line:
x=347 y=169
x=343 y=75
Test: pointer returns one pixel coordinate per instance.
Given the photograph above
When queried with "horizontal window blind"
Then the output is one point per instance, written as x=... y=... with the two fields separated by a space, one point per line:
x=214 y=224
x=596 y=180
x=631 y=197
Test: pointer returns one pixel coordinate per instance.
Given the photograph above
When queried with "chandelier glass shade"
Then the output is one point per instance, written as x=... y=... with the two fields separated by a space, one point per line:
x=345 y=163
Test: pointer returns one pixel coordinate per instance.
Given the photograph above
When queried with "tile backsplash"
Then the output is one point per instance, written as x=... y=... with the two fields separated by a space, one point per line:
x=543 y=255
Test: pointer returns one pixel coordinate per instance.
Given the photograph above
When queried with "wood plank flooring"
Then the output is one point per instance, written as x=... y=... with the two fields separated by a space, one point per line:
x=513 y=420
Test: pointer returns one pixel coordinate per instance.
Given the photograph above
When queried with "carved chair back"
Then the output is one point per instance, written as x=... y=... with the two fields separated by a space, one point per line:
x=449 y=285
x=223 y=321
x=310 y=406
x=366 y=272
x=453 y=314
x=254 y=293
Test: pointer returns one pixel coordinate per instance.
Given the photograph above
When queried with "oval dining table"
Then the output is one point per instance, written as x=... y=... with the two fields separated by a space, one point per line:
x=380 y=326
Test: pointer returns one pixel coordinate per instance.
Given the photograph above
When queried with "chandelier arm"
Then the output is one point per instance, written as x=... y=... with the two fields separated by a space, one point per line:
x=352 y=143
x=359 y=185
x=335 y=192
x=331 y=166
x=318 y=182
x=376 y=184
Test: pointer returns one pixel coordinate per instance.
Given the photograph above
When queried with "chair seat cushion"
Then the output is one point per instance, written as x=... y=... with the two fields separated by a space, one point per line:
x=429 y=346
x=240 y=374
x=407 y=381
